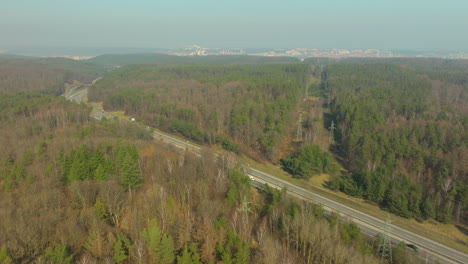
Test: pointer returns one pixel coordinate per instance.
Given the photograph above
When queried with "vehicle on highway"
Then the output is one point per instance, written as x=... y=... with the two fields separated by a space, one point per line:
x=413 y=247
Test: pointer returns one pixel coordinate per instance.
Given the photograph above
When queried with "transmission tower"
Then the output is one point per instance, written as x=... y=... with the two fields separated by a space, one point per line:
x=324 y=85
x=245 y=206
x=385 y=246
x=332 y=128
x=299 y=129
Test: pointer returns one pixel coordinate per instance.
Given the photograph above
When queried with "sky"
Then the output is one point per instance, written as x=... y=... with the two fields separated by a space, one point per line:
x=353 y=24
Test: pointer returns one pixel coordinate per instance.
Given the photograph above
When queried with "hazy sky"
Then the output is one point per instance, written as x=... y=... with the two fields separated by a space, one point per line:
x=392 y=24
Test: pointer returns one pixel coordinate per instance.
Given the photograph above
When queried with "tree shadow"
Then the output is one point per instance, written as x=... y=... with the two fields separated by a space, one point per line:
x=462 y=229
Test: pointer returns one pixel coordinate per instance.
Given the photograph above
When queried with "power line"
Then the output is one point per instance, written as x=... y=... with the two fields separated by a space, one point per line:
x=299 y=129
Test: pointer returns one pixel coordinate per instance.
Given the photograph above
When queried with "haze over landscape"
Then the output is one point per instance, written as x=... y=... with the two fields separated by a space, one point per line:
x=143 y=25
x=233 y=132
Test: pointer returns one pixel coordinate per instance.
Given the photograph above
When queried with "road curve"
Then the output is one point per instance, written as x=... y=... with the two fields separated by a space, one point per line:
x=427 y=249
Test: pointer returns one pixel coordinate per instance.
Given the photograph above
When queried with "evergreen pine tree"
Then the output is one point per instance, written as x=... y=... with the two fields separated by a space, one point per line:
x=100 y=174
x=126 y=164
x=167 y=250
x=77 y=170
x=58 y=255
x=96 y=159
x=428 y=208
x=243 y=253
x=184 y=257
x=4 y=257
x=79 y=164
x=152 y=235
x=445 y=214
x=189 y=255
x=121 y=248
x=130 y=175
x=194 y=256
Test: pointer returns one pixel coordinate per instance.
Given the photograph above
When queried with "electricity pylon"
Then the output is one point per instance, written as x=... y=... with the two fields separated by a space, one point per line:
x=385 y=246
x=332 y=128
x=299 y=129
x=245 y=206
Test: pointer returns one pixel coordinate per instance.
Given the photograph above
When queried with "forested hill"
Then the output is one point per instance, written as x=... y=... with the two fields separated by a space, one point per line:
x=74 y=190
x=156 y=58
x=242 y=107
x=44 y=74
x=126 y=59
x=402 y=133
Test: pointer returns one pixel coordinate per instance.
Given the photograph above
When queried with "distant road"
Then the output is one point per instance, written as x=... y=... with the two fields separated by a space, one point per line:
x=427 y=249
x=76 y=93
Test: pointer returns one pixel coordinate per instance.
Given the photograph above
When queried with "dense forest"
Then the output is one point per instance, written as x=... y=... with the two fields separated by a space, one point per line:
x=47 y=75
x=74 y=190
x=242 y=107
x=155 y=58
x=399 y=124
x=402 y=133
x=77 y=190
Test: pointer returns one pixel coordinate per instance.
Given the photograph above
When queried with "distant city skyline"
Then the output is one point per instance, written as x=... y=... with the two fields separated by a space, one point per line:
x=147 y=24
x=196 y=50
